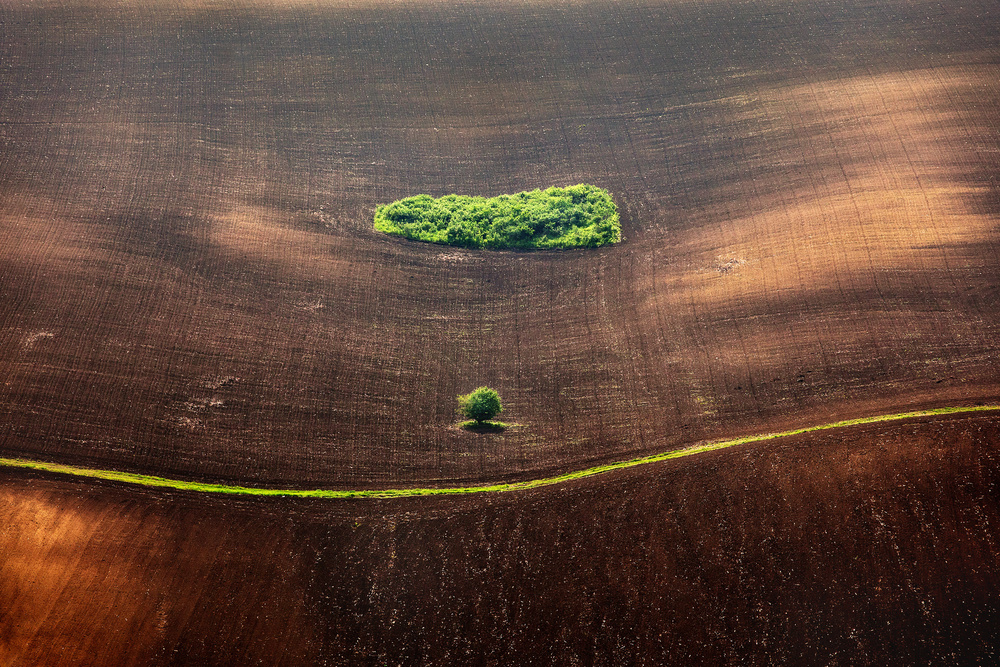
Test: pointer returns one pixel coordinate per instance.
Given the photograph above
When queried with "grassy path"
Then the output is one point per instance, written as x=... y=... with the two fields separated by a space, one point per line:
x=150 y=480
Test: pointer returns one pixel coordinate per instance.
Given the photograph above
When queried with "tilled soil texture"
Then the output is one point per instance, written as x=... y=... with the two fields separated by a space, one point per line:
x=190 y=285
x=874 y=546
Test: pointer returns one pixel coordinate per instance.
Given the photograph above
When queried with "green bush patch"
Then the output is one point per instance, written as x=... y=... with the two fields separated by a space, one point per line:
x=480 y=405
x=579 y=216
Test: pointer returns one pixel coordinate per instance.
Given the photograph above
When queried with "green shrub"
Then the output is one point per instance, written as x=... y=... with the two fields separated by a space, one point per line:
x=573 y=217
x=482 y=404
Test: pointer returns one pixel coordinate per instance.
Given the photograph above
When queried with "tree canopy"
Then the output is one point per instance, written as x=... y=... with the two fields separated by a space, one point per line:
x=572 y=217
x=481 y=405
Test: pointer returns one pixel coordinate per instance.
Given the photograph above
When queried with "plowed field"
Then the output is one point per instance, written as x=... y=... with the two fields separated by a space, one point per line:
x=190 y=287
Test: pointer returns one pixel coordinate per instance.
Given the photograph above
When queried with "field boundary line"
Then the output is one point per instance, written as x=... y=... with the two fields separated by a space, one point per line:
x=204 y=487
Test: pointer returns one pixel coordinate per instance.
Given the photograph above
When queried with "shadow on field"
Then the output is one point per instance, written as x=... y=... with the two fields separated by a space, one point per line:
x=484 y=427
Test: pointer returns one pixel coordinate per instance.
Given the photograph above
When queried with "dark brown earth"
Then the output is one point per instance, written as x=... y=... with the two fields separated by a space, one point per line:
x=868 y=547
x=190 y=287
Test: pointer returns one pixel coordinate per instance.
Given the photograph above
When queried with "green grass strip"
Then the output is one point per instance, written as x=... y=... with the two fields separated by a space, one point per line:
x=162 y=482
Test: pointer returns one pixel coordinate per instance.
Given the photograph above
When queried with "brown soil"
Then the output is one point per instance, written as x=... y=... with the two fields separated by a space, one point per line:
x=869 y=547
x=190 y=287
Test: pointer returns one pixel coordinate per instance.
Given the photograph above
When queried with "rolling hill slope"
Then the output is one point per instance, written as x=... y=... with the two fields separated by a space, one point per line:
x=190 y=287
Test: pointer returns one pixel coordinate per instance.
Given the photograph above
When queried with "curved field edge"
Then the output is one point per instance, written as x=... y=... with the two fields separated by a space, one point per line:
x=162 y=482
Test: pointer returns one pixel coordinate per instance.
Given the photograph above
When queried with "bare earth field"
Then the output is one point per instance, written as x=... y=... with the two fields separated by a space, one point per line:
x=190 y=287
x=870 y=548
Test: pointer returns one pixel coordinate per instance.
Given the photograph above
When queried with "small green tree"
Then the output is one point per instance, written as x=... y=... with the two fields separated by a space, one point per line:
x=482 y=404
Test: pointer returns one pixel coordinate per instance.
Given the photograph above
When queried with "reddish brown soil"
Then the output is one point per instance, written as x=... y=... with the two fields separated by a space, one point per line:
x=190 y=287
x=868 y=547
